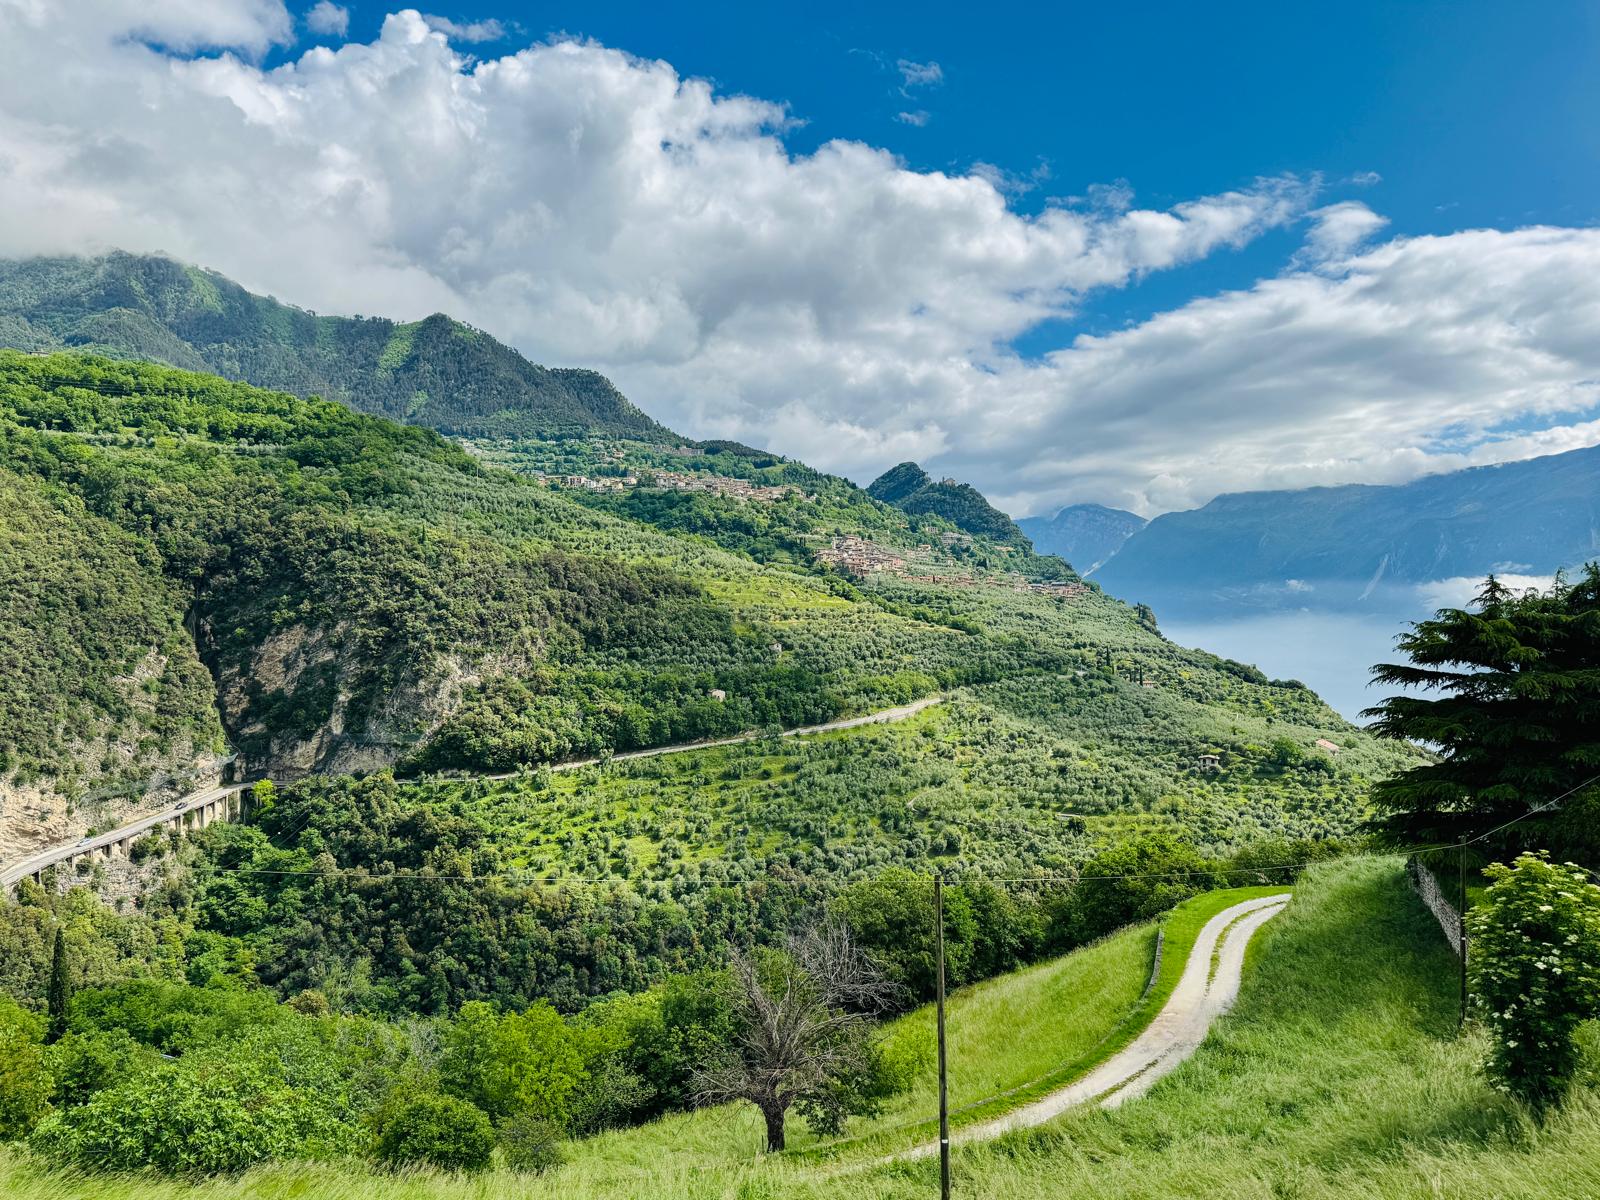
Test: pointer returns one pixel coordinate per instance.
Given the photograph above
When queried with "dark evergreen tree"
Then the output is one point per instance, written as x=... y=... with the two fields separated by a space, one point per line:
x=60 y=990
x=1511 y=702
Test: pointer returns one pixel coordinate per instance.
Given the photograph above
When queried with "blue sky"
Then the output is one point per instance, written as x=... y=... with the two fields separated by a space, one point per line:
x=1138 y=255
x=1471 y=113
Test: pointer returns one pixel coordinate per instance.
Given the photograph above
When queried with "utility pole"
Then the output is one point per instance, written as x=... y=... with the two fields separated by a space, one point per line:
x=944 y=1098
x=1461 y=928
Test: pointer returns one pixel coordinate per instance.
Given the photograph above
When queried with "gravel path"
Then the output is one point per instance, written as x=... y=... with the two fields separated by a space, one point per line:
x=1176 y=1032
x=883 y=716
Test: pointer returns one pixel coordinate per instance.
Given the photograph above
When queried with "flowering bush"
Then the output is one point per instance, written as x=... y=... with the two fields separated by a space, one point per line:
x=1535 y=959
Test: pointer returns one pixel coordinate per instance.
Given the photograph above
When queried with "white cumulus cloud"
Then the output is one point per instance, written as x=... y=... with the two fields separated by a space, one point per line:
x=490 y=30
x=1339 y=228
x=328 y=19
x=598 y=209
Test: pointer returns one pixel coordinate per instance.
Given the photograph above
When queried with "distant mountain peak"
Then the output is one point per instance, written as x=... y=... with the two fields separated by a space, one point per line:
x=1086 y=535
x=1355 y=545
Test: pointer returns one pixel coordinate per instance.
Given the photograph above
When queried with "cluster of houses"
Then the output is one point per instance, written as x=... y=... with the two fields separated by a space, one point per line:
x=724 y=485
x=860 y=557
x=677 y=481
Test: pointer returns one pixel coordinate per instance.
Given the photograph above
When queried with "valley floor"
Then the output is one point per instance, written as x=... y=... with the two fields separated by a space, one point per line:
x=1339 y=1073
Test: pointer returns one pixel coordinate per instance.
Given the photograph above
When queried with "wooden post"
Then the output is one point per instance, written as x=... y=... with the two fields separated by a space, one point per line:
x=1461 y=928
x=944 y=1095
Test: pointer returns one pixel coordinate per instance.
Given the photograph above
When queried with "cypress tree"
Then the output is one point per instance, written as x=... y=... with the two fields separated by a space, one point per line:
x=60 y=990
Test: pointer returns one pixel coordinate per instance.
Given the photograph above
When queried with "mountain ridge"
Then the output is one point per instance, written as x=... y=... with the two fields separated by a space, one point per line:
x=1086 y=535
x=436 y=371
x=1341 y=545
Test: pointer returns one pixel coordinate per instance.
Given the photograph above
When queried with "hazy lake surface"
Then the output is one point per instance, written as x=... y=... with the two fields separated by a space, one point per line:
x=1331 y=652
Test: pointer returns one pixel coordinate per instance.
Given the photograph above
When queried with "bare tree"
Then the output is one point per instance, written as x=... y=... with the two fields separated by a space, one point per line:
x=803 y=1020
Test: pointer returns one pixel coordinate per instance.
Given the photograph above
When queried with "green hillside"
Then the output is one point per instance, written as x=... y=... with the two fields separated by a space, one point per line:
x=908 y=487
x=435 y=372
x=354 y=584
x=382 y=620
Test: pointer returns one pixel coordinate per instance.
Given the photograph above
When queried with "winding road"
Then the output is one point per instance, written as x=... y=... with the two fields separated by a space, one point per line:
x=202 y=801
x=883 y=716
x=1202 y=995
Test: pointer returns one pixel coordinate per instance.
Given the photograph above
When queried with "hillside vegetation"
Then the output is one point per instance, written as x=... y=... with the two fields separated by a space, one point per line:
x=910 y=488
x=394 y=937
x=436 y=371
x=363 y=591
x=1338 y=1073
x=365 y=594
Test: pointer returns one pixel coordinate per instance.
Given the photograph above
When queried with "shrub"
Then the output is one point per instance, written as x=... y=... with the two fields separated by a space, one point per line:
x=85 y=1063
x=275 y=1093
x=531 y=1144
x=1535 y=958
x=179 y=1122
x=515 y=1063
x=441 y=1131
x=24 y=1076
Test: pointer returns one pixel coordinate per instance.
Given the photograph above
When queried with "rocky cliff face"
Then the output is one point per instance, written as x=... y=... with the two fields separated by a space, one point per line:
x=336 y=721
x=109 y=777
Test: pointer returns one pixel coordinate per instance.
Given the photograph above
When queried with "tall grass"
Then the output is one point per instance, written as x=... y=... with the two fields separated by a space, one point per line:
x=1339 y=1074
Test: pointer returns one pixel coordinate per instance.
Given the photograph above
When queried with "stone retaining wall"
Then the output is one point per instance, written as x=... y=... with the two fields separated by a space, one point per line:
x=1433 y=896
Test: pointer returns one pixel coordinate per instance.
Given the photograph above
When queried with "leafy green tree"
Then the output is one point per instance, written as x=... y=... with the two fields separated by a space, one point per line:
x=25 y=1080
x=1129 y=882
x=665 y=1034
x=1535 y=964
x=891 y=919
x=85 y=1063
x=528 y=1062
x=441 y=1131
x=60 y=997
x=1513 y=708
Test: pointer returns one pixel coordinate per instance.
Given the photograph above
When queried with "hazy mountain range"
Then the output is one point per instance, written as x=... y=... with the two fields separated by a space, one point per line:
x=1083 y=534
x=1355 y=546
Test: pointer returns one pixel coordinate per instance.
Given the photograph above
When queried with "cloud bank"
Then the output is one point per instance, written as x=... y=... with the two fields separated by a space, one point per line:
x=597 y=209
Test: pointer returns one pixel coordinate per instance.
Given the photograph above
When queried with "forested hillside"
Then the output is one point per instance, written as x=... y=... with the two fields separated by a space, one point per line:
x=435 y=372
x=908 y=487
x=363 y=591
x=365 y=594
